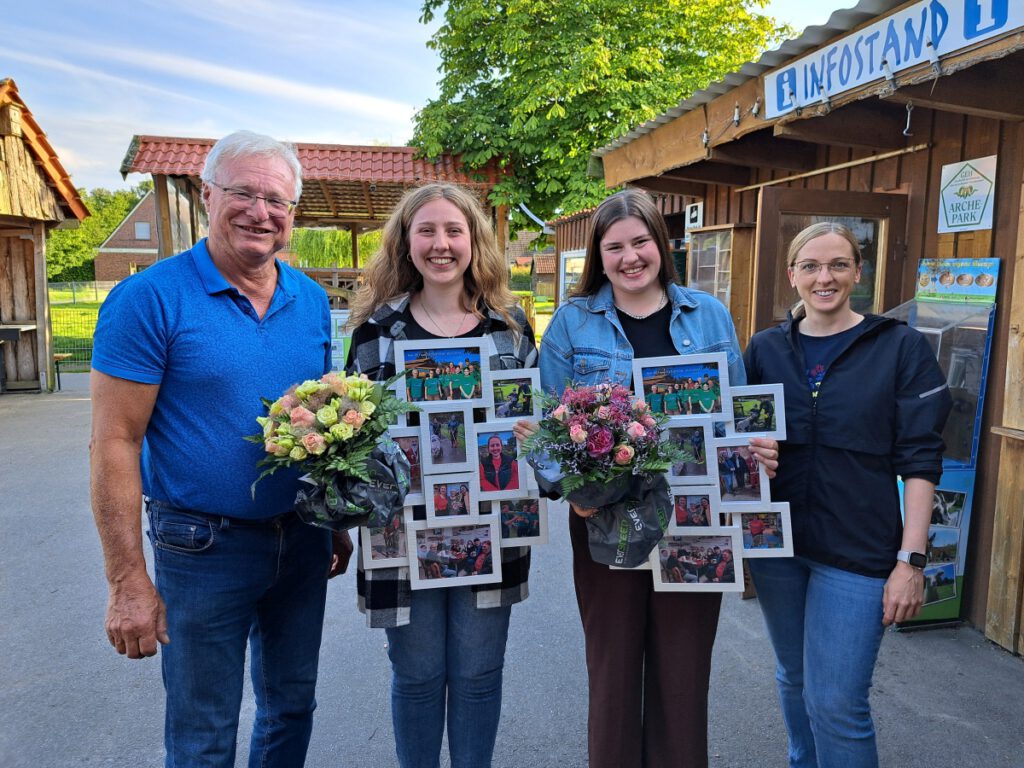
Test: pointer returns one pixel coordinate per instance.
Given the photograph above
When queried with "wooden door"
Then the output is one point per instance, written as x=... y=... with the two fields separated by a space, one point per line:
x=877 y=219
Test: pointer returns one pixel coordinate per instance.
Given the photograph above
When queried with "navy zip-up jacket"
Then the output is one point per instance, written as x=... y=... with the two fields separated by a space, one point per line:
x=879 y=413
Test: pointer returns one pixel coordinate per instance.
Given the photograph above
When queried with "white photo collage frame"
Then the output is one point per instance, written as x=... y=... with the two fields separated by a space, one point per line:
x=470 y=478
x=722 y=510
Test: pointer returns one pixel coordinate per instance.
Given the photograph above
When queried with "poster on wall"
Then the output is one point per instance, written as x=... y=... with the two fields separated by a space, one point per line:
x=967 y=195
x=966 y=281
x=947 y=547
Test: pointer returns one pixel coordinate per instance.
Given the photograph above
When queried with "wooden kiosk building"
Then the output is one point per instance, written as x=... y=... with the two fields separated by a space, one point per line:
x=36 y=194
x=855 y=120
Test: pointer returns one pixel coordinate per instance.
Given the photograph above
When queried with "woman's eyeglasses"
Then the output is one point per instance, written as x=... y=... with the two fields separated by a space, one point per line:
x=837 y=267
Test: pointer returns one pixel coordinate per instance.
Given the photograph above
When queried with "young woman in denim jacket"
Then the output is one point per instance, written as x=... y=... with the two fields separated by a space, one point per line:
x=865 y=401
x=648 y=654
x=440 y=274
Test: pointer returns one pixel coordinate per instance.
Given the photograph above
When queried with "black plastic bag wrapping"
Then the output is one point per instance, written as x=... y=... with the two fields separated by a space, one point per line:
x=634 y=512
x=347 y=502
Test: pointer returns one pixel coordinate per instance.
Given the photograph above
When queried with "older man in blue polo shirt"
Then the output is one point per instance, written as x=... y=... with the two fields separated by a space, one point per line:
x=182 y=354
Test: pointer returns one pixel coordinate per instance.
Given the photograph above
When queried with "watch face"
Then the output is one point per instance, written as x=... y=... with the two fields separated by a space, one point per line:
x=917 y=560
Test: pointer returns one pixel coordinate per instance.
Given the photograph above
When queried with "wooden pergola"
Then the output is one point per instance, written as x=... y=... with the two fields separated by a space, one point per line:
x=345 y=187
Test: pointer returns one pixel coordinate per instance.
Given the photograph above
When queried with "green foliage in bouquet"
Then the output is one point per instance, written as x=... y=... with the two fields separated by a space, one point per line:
x=327 y=426
x=601 y=434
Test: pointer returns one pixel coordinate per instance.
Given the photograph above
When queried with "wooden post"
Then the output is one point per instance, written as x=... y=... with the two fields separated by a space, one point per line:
x=164 y=240
x=501 y=227
x=44 y=333
x=1003 y=618
x=354 y=229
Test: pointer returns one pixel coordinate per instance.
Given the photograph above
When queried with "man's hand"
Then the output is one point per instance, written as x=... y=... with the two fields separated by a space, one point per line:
x=136 y=618
x=341 y=553
x=903 y=594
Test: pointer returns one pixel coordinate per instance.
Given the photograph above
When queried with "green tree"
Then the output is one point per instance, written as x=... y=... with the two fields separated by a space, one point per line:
x=71 y=253
x=331 y=247
x=540 y=84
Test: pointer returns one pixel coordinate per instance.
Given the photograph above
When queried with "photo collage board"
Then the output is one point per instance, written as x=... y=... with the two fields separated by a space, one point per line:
x=469 y=477
x=722 y=511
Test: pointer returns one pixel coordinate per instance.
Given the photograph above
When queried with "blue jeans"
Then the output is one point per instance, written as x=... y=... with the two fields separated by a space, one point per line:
x=826 y=627
x=224 y=582
x=450 y=653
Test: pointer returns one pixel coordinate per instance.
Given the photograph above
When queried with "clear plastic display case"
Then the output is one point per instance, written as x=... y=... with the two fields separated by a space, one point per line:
x=960 y=335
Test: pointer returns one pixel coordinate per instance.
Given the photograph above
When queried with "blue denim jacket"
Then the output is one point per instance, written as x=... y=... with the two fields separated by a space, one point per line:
x=584 y=342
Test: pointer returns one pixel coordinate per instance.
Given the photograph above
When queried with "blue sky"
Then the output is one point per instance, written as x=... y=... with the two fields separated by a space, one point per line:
x=343 y=72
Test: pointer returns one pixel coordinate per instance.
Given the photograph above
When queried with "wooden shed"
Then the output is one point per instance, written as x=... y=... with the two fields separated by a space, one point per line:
x=36 y=195
x=858 y=119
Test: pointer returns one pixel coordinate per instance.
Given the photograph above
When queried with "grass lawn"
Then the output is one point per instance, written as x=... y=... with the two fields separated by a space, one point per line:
x=73 y=328
x=82 y=294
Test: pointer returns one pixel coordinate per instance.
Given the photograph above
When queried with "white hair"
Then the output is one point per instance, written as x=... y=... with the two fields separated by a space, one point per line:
x=248 y=144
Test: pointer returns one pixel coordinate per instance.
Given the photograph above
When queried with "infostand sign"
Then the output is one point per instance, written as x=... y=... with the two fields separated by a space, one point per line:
x=954 y=308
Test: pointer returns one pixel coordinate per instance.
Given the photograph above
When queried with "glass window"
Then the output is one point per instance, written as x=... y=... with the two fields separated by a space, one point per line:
x=869 y=233
x=142 y=230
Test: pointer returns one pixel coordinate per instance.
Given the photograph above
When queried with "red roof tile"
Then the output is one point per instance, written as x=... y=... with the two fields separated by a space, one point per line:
x=320 y=162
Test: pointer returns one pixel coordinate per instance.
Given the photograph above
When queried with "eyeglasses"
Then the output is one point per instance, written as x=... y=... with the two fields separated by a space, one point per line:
x=837 y=267
x=275 y=205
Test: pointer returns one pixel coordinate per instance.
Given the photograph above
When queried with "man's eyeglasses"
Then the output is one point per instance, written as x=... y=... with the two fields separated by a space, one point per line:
x=275 y=205
x=837 y=267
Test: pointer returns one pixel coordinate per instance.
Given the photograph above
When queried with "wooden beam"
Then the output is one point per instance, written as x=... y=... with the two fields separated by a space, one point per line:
x=355 y=246
x=670 y=186
x=758 y=150
x=989 y=89
x=44 y=333
x=367 y=200
x=163 y=217
x=707 y=172
x=1004 y=623
x=328 y=198
x=860 y=126
x=837 y=167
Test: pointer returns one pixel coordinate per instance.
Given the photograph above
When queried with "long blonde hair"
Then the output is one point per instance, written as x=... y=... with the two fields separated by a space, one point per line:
x=391 y=273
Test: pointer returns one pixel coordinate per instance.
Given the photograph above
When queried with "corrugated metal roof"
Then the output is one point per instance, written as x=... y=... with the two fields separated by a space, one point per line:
x=839 y=23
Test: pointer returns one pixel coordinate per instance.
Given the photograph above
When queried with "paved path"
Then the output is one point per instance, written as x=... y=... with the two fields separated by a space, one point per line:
x=941 y=698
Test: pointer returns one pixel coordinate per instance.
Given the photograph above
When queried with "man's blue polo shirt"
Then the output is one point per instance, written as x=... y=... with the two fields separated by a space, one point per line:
x=180 y=324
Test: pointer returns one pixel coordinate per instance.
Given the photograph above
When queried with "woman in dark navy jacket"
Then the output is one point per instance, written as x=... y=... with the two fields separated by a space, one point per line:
x=865 y=401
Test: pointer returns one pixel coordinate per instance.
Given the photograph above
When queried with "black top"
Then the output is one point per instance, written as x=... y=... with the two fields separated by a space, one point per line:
x=649 y=337
x=821 y=351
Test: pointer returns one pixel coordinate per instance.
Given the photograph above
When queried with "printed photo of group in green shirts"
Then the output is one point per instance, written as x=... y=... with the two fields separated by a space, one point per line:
x=682 y=389
x=441 y=373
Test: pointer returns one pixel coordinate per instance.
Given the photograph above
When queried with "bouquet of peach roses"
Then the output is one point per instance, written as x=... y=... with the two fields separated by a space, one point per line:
x=599 y=446
x=335 y=429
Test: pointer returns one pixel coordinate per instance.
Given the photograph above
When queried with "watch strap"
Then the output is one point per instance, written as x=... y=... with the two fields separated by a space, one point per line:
x=915 y=559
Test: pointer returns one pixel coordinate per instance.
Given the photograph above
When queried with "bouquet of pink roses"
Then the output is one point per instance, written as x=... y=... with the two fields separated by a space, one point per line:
x=335 y=428
x=599 y=446
x=601 y=435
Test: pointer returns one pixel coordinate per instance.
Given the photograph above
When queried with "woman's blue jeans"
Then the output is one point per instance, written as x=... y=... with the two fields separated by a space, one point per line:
x=226 y=582
x=450 y=655
x=826 y=627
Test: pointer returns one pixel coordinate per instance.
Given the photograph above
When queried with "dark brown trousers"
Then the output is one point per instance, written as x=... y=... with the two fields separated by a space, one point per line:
x=648 y=662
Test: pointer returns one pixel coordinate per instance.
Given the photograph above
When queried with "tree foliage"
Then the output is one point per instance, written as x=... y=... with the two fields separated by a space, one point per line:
x=71 y=253
x=332 y=247
x=540 y=84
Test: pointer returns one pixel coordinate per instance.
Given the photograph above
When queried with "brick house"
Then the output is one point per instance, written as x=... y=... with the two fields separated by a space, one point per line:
x=132 y=246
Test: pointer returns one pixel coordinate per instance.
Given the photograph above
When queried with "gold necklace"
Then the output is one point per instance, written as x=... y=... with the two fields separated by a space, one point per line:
x=437 y=325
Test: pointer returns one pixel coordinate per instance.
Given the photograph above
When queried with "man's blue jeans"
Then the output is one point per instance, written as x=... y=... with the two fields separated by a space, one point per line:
x=224 y=582
x=826 y=627
x=451 y=652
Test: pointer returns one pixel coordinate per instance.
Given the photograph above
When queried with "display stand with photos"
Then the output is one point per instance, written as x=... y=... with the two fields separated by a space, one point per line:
x=468 y=476
x=722 y=510
x=954 y=308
